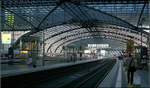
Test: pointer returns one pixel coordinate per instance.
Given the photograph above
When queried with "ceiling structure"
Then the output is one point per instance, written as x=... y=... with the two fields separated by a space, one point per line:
x=100 y=42
x=66 y=21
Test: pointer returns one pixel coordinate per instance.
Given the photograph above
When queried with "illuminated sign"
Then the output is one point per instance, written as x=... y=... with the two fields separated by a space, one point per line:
x=87 y=51
x=103 y=52
x=23 y=52
x=6 y=38
x=98 y=45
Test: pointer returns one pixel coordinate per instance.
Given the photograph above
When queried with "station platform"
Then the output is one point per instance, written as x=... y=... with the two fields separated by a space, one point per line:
x=141 y=78
x=117 y=78
x=22 y=68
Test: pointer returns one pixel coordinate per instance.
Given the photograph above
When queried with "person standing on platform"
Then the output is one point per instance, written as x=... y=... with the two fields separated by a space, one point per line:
x=29 y=62
x=131 y=70
x=11 y=52
x=10 y=55
x=71 y=58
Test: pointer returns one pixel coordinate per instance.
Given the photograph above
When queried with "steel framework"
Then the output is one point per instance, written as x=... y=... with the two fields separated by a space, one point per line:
x=64 y=21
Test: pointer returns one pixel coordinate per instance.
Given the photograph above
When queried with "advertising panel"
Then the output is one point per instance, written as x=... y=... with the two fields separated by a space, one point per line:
x=6 y=38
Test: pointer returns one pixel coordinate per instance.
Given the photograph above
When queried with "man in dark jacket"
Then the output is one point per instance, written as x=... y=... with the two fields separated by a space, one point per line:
x=131 y=70
x=11 y=53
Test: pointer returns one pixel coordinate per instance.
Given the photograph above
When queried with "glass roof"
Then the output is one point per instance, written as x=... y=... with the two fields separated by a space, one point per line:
x=128 y=12
x=41 y=14
x=66 y=21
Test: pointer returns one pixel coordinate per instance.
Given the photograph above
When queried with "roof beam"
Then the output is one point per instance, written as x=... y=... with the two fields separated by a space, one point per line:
x=93 y=35
x=33 y=3
x=78 y=28
x=48 y=15
x=85 y=33
x=139 y=19
x=19 y=16
x=80 y=39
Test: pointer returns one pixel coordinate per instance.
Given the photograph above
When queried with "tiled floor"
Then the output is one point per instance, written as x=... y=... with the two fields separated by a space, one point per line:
x=141 y=77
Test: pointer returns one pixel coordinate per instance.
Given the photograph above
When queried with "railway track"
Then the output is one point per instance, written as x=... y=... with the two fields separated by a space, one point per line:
x=89 y=75
x=93 y=79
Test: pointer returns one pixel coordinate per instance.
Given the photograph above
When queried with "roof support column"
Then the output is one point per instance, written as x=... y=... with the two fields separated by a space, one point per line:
x=139 y=20
x=149 y=56
x=43 y=37
x=0 y=29
x=149 y=49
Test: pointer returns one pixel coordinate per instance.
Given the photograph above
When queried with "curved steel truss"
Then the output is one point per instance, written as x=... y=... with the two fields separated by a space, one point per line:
x=42 y=17
x=70 y=32
x=65 y=21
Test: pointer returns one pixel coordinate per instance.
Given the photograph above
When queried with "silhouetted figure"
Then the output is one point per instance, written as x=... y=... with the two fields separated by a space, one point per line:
x=34 y=65
x=71 y=58
x=131 y=70
x=10 y=55
x=34 y=62
x=11 y=52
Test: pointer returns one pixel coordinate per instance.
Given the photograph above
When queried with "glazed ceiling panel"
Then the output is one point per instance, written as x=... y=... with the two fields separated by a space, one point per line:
x=61 y=21
x=30 y=15
x=110 y=30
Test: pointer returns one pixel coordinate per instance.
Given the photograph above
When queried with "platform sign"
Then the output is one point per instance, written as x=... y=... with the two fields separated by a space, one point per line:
x=130 y=47
x=6 y=38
